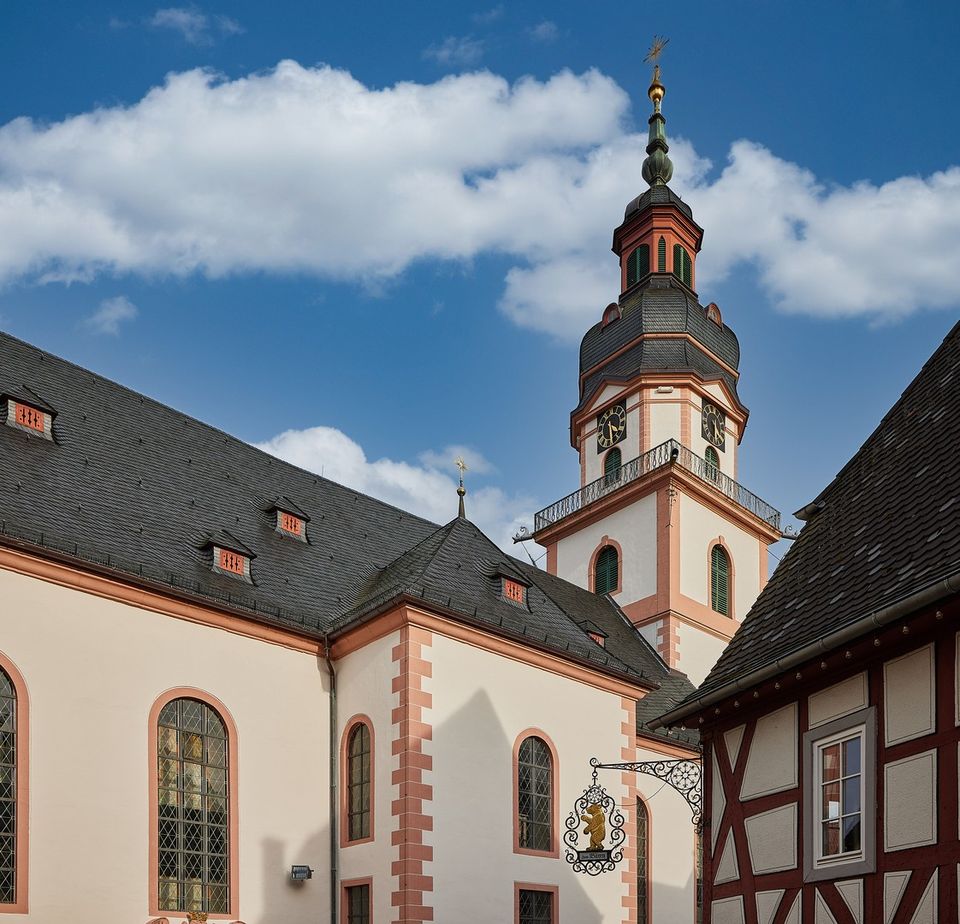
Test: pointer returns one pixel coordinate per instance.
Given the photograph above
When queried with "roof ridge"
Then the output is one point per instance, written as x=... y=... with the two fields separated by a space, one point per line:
x=208 y=426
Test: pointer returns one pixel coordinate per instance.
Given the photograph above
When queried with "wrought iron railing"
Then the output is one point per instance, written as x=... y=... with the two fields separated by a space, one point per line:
x=664 y=454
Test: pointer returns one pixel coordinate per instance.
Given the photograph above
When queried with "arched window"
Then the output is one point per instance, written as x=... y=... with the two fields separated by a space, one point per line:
x=638 y=264
x=193 y=816
x=10 y=823
x=606 y=574
x=359 y=779
x=611 y=465
x=535 y=795
x=713 y=463
x=720 y=580
x=698 y=881
x=661 y=255
x=681 y=264
x=643 y=863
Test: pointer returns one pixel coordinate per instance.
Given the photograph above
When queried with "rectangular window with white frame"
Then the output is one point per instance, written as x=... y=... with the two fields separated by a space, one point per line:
x=839 y=797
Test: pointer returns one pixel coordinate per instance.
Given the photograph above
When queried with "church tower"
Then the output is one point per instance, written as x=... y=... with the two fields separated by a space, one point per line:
x=660 y=521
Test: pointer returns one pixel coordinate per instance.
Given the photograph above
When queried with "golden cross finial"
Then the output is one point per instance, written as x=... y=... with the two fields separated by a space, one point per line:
x=656 y=49
x=460 y=464
x=461 y=490
x=656 y=90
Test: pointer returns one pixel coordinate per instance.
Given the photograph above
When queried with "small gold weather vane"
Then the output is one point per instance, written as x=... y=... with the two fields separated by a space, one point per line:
x=656 y=90
x=461 y=490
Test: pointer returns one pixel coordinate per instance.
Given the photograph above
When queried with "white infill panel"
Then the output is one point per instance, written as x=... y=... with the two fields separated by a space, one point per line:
x=717 y=804
x=727 y=911
x=727 y=869
x=839 y=700
x=910 y=801
x=926 y=912
x=851 y=891
x=822 y=914
x=793 y=915
x=772 y=761
x=733 y=738
x=767 y=905
x=908 y=696
x=894 y=885
x=772 y=839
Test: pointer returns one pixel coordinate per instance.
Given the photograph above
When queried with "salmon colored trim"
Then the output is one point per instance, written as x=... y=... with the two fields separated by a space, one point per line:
x=685 y=415
x=645 y=445
x=694 y=613
x=411 y=809
x=592 y=573
x=352 y=723
x=667 y=748
x=554 y=850
x=22 y=837
x=76 y=579
x=404 y=615
x=731 y=598
x=153 y=784
x=638 y=797
x=764 y=565
x=628 y=874
x=536 y=887
x=350 y=884
x=552 y=558
x=668 y=640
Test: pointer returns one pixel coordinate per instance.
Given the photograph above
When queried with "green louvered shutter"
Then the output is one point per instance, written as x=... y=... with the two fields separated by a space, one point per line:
x=720 y=581
x=611 y=464
x=638 y=264
x=661 y=255
x=681 y=264
x=713 y=462
x=607 y=570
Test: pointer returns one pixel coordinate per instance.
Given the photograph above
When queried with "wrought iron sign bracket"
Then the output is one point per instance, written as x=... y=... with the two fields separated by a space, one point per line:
x=685 y=776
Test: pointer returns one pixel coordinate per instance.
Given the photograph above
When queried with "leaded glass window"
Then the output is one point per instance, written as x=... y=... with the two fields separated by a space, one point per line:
x=358 y=783
x=193 y=816
x=8 y=790
x=606 y=570
x=720 y=580
x=536 y=906
x=358 y=904
x=638 y=264
x=643 y=864
x=535 y=794
x=698 y=882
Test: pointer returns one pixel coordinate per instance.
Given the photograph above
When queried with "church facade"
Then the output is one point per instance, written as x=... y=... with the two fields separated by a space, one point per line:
x=231 y=689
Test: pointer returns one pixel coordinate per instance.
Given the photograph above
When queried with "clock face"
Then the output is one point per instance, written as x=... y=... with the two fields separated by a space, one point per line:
x=611 y=426
x=713 y=425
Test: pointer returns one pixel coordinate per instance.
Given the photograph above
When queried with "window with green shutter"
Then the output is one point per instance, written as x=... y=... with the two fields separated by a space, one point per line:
x=611 y=465
x=661 y=255
x=682 y=267
x=713 y=463
x=638 y=264
x=606 y=571
x=720 y=580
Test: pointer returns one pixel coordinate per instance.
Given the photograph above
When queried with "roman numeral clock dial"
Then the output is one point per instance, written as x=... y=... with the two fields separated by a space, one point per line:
x=713 y=425
x=611 y=426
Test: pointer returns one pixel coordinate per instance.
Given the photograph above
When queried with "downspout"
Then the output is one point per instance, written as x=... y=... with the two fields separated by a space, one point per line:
x=334 y=778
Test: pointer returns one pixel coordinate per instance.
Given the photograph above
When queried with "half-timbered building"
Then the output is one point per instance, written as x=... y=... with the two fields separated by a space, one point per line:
x=830 y=723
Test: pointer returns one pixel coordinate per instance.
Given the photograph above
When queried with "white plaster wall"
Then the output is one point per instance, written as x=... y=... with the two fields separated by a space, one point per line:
x=698 y=652
x=482 y=702
x=700 y=526
x=93 y=669
x=664 y=418
x=364 y=686
x=672 y=849
x=635 y=529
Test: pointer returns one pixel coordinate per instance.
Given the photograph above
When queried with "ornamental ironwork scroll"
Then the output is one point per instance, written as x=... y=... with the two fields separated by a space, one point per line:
x=603 y=821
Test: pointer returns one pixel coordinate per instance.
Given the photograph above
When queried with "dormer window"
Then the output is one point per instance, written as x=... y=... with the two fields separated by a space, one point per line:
x=514 y=591
x=289 y=524
x=27 y=412
x=594 y=631
x=713 y=314
x=289 y=520
x=230 y=556
x=597 y=637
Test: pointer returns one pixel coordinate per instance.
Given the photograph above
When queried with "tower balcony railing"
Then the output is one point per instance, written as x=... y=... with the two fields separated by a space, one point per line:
x=666 y=453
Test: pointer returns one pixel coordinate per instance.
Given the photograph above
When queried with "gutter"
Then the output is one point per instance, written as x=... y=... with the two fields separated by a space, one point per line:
x=930 y=594
x=334 y=780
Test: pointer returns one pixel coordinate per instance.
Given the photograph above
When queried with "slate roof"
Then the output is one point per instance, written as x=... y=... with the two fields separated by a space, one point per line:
x=132 y=486
x=660 y=305
x=888 y=526
x=657 y=195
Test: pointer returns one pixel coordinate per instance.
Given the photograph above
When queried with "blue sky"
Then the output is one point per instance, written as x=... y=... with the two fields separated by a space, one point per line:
x=391 y=244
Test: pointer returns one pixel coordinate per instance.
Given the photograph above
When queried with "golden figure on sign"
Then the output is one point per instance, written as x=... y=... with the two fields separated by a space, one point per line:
x=596 y=826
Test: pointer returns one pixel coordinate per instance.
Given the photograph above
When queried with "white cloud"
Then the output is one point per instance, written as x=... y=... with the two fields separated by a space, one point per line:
x=195 y=26
x=488 y=17
x=546 y=32
x=111 y=313
x=427 y=489
x=280 y=171
x=455 y=51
